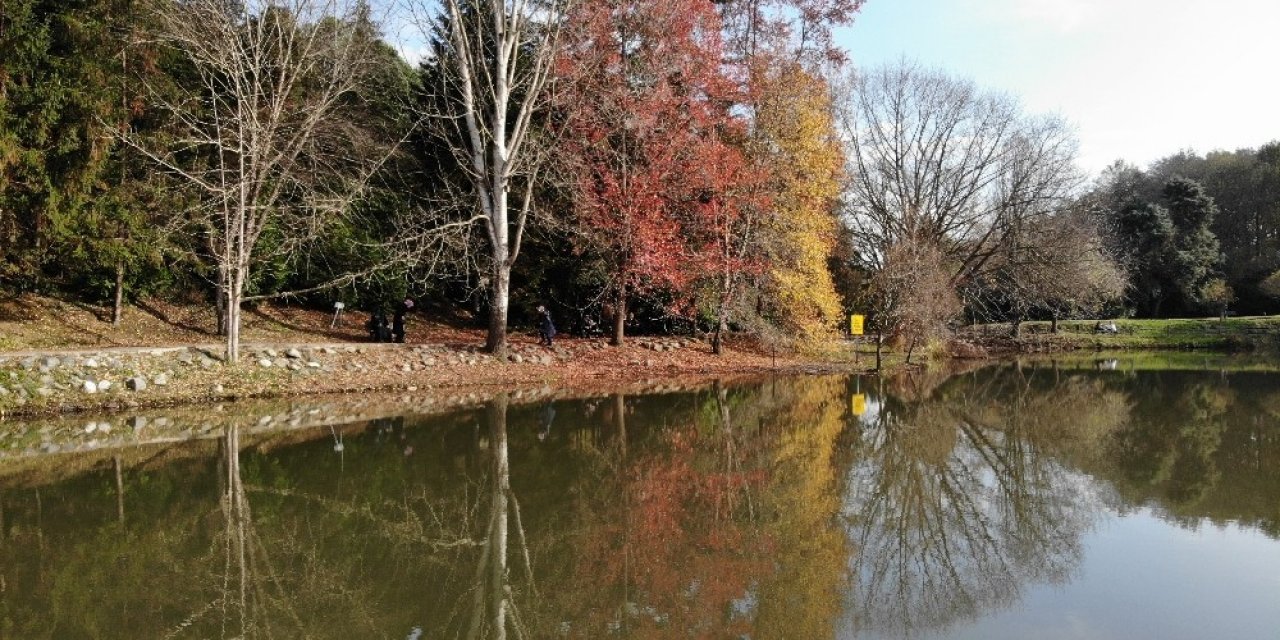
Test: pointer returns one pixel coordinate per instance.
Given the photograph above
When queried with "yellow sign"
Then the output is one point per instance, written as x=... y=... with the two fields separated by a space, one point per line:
x=855 y=324
x=858 y=404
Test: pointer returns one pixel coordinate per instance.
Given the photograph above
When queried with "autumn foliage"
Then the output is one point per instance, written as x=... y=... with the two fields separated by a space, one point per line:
x=796 y=139
x=646 y=108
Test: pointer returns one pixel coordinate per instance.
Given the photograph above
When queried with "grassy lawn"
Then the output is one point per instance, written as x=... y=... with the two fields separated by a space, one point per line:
x=1163 y=360
x=1240 y=333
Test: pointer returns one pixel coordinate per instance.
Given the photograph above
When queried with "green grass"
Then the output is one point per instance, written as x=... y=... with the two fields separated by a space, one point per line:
x=1165 y=360
x=1233 y=334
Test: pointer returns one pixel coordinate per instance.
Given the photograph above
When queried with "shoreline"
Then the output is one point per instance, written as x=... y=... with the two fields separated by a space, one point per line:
x=42 y=384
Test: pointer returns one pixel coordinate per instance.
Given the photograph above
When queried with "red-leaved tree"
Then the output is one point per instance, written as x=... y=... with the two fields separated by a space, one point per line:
x=646 y=109
x=729 y=204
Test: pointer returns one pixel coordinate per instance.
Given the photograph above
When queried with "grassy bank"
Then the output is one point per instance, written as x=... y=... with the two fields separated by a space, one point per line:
x=1256 y=333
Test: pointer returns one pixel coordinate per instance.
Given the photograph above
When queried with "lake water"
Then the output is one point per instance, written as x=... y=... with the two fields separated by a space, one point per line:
x=1046 y=501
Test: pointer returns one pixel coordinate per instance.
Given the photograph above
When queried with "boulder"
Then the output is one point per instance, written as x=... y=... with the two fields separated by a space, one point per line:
x=161 y=380
x=104 y=385
x=265 y=362
x=136 y=384
x=293 y=353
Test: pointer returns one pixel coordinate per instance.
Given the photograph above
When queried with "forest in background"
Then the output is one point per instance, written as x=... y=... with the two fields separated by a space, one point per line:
x=641 y=166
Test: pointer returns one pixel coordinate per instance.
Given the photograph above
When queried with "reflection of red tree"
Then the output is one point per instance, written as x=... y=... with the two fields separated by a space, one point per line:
x=679 y=554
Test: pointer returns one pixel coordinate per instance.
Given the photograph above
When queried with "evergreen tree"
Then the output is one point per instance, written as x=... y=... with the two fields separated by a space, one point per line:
x=1195 y=259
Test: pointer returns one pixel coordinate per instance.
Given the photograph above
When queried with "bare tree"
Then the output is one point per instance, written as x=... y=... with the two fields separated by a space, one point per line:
x=1059 y=265
x=934 y=159
x=259 y=136
x=496 y=62
x=915 y=300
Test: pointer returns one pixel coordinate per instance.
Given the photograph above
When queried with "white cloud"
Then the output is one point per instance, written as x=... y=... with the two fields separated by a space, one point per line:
x=1059 y=15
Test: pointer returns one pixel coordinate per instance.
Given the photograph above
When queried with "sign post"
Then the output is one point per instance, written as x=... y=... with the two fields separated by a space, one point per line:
x=856 y=322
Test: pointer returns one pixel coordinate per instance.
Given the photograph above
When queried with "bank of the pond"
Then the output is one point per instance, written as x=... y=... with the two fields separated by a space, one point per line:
x=36 y=450
x=60 y=381
x=59 y=357
x=1236 y=334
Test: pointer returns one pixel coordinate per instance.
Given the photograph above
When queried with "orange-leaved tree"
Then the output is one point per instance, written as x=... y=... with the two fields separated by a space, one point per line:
x=644 y=103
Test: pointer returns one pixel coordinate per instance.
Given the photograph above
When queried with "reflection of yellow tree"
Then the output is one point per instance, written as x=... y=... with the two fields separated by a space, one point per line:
x=801 y=599
x=723 y=530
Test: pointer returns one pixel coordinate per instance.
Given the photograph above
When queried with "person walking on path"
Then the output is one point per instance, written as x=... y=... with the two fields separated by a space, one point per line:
x=397 y=321
x=546 y=328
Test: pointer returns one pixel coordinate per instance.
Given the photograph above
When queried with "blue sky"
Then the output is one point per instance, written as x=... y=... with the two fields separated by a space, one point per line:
x=1139 y=79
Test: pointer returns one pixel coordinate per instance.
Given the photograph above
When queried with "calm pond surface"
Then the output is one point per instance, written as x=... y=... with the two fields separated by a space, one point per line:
x=1007 y=502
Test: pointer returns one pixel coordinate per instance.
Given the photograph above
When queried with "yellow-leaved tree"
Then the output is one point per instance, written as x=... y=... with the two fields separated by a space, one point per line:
x=795 y=137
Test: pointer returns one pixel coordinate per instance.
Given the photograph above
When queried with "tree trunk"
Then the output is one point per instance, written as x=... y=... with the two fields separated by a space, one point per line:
x=722 y=324
x=911 y=347
x=879 y=348
x=619 y=319
x=1053 y=324
x=1015 y=327
x=220 y=301
x=234 y=297
x=499 y=300
x=117 y=308
x=721 y=327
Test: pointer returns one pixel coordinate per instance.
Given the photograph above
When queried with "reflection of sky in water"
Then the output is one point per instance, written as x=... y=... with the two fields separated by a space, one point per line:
x=1219 y=583
x=1122 y=572
x=952 y=539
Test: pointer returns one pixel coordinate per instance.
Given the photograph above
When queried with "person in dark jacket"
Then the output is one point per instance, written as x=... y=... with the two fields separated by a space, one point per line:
x=546 y=328
x=397 y=321
x=377 y=326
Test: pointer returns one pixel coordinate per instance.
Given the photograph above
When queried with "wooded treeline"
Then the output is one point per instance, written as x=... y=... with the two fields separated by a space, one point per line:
x=637 y=165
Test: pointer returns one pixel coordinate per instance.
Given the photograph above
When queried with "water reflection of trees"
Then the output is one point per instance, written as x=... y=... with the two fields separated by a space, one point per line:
x=717 y=524
x=955 y=504
x=1200 y=445
x=694 y=514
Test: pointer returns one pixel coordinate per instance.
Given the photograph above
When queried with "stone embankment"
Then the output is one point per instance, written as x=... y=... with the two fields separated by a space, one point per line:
x=54 y=382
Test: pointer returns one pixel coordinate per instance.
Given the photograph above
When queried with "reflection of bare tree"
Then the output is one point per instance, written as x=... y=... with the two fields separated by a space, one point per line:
x=953 y=516
x=252 y=595
x=494 y=609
